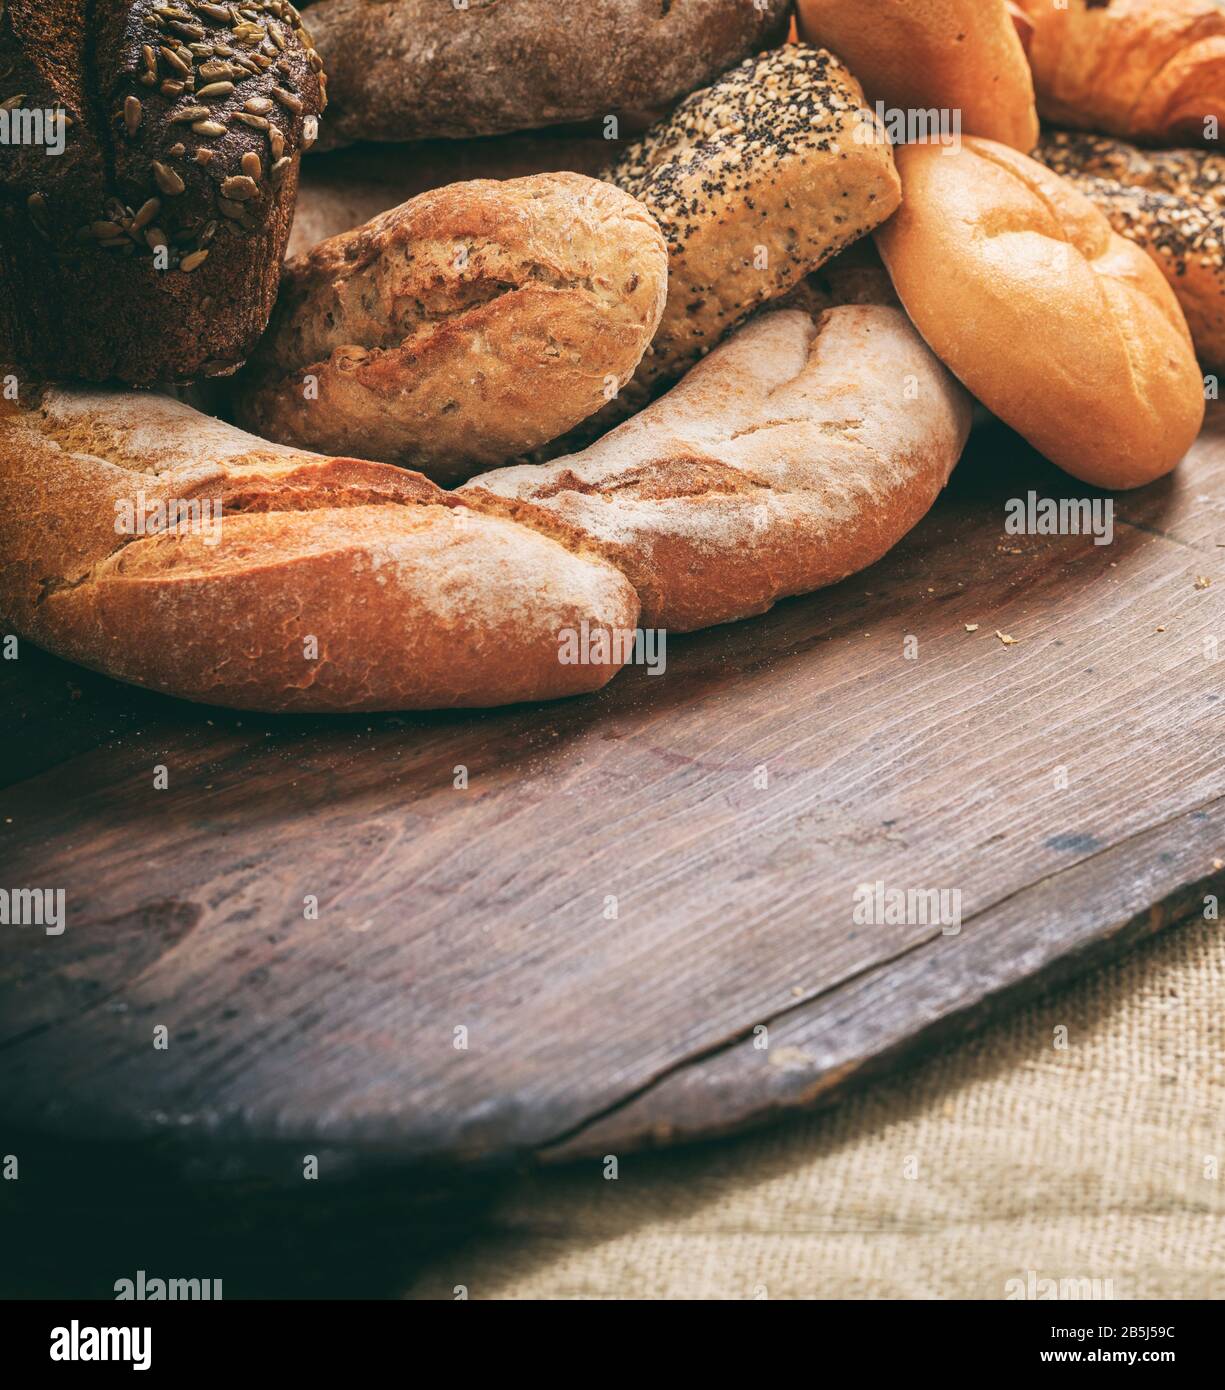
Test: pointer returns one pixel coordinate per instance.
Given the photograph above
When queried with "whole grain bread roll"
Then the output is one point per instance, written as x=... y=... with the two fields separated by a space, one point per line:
x=464 y=328
x=150 y=249
x=344 y=188
x=934 y=55
x=1058 y=325
x=331 y=584
x=413 y=69
x=1171 y=203
x=756 y=181
x=795 y=454
x=1148 y=70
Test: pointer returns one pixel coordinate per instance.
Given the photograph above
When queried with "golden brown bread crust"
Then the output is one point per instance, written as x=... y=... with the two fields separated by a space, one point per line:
x=343 y=189
x=1065 y=330
x=1170 y=202
x=466 y=327
x=756 y=180
x=795 y=454
x=414 y=600
x=412 y=69
x=959 y=55
x=187 y=125
x=1149 y=70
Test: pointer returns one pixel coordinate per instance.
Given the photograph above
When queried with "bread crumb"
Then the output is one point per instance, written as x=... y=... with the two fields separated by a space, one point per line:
x=971 y=627
x=1004 y=637
x=1202 y=581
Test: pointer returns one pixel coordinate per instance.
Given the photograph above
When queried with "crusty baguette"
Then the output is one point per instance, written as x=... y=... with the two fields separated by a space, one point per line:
x=1148 y=70
x=412 y=69
x=150 y=249
x=1065 y=330
x=464 y=328
x=945 y=55
x=1170 y=202
x=795 y=454
x=413 y=599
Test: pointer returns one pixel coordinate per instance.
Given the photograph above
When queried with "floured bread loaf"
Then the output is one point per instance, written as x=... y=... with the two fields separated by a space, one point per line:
x=319 y=584
x=795 y=454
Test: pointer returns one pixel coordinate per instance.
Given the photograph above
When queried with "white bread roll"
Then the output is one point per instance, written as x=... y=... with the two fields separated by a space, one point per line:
x=1066 y=331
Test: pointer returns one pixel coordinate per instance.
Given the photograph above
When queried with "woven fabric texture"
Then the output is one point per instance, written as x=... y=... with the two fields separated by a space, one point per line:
x=980 y=1172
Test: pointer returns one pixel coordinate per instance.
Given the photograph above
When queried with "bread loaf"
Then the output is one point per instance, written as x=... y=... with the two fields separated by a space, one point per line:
x=341 y=190
x=326 y=584
x=1171 y=203
x=756 y=180
x=957 y=56
x=793 y=455
x=1148 y=70
x=413 y=69
x=1065 y=330
x=464 y=328
x=150 y=248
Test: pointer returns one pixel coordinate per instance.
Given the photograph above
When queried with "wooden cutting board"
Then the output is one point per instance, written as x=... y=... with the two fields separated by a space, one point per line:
x=1069 y=786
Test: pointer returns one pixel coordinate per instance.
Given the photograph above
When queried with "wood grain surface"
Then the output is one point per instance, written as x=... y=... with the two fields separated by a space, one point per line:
x=1068 y=785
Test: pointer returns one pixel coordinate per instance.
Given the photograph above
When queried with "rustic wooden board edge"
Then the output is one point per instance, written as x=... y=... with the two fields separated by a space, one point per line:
x=863 y=1034
x=836 y=1042
x=364 y=1152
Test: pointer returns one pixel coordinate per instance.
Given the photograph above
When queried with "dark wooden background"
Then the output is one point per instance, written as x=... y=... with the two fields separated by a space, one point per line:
x=485 y=908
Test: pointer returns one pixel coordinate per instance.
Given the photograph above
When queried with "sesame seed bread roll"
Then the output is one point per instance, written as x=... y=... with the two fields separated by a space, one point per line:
x=462 y=329
x=798 y=452
x=943 y=55
x=1171 y=203
x=149 y=249
x=329 y=584
x=755 y=181
x=1058 y=325
x=415 y=69
x=1148 y=70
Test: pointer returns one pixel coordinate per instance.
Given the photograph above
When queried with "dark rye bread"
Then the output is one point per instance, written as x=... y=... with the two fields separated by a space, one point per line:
x=413 y=69
x=187 y=121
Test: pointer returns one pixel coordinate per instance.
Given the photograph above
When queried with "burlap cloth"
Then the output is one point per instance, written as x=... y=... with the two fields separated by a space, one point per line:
x=1092 y=1162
